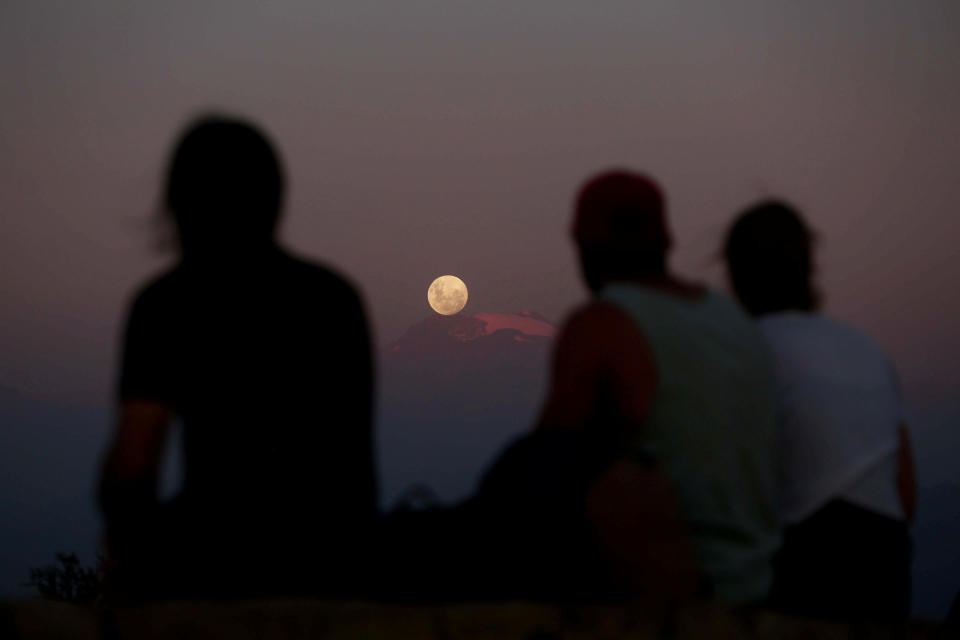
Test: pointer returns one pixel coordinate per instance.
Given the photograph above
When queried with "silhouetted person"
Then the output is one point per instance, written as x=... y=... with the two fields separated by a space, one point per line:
x=847 y=488
x=678 y=379
x=266 y=360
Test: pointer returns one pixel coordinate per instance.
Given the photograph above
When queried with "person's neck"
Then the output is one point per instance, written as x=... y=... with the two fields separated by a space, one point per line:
x=233 y=258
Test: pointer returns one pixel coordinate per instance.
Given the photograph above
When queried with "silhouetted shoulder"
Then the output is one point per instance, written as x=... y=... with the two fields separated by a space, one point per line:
x=148 y=343
x=314 y=270
x=601 y=366
x=802 y=332
x=156 y=290
x=328 y=290
x=602 y=334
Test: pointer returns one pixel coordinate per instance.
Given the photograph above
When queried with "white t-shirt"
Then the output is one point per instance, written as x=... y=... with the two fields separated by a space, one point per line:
x=839 y=412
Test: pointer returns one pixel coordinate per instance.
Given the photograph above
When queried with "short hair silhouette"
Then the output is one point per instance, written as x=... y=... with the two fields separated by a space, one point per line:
x=620 y=227
x=224 y=187
x=768 y=251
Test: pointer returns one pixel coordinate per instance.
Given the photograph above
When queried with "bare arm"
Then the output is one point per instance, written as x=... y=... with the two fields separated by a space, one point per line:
x=574 y=376
x=599 y=357
x=369 y=491
x=131 y=467
x=906 y=475
x=637 y=517
x=906 y=471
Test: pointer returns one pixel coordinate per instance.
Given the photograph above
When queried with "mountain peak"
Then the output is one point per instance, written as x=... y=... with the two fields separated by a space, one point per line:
x=526 y=322
x=484 y=336
x=467 y=328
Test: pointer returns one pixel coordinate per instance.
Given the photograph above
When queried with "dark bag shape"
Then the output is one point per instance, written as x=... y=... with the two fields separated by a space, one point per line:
x=523 y=535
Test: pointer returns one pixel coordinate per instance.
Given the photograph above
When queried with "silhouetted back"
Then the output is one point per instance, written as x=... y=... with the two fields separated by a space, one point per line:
x=266 y=359
x=268 y=364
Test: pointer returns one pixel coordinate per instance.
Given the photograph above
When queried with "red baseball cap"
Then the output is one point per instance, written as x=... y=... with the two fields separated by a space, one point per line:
x=621 y=208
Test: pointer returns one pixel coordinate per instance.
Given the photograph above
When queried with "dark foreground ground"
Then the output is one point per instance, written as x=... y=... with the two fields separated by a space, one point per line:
x=282 y=619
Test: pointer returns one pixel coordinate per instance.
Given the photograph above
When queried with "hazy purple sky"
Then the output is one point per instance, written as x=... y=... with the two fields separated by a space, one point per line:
x=424 y=138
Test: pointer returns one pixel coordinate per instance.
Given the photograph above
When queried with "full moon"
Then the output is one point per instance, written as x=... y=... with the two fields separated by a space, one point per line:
x=447 y=295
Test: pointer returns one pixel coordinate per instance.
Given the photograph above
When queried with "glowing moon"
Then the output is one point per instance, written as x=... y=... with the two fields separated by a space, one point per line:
x=447 y=295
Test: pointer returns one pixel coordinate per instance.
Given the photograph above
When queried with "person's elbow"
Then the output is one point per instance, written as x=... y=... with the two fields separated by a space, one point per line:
x=130 y=467
x=906 y=476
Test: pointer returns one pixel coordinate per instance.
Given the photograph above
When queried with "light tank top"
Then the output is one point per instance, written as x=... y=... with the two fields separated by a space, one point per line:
x=711 y=427
x=839 y=413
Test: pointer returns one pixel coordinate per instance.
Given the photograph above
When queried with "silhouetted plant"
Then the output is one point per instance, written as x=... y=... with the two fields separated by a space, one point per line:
x=66 y=580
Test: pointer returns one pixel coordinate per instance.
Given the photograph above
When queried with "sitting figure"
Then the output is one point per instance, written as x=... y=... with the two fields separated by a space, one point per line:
x=676 y=382
x=847 y=487
x=265 y=360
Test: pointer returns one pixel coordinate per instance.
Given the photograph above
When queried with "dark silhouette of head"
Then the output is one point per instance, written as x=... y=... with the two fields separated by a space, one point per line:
x=224 y=188
x=620 y=228
x=768 y=252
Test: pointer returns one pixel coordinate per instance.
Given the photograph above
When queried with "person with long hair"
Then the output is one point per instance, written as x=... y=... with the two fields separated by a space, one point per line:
x=846 y=485
x=264 y=361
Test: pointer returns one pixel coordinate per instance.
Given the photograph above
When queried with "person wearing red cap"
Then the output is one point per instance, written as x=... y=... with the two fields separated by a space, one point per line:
x=678 y=378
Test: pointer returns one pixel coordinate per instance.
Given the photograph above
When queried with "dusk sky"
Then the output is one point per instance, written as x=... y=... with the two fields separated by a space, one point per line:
x=428 y=138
